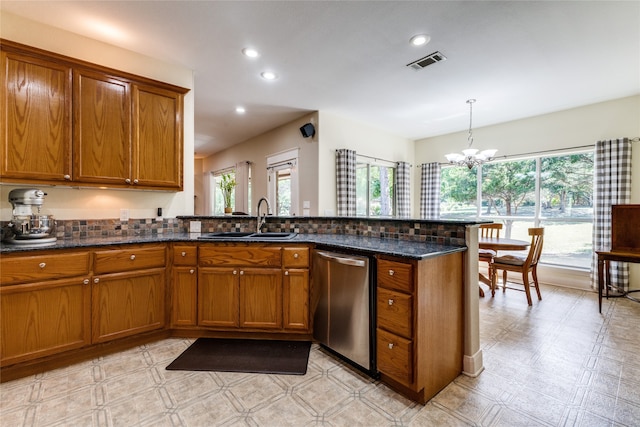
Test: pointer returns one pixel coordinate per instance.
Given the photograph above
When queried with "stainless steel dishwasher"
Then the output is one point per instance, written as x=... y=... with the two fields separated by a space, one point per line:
x=344 y=313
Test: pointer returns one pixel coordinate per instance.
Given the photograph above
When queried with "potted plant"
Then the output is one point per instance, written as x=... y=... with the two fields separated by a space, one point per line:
x=227 y=184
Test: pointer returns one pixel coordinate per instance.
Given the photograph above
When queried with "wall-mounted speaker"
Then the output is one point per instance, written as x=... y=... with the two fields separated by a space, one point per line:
x=308 y=130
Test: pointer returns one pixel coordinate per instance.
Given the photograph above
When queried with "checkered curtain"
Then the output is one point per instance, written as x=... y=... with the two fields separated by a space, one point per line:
x=612 y=164
x=403 y=190
x=346 y=182
x=430 y=191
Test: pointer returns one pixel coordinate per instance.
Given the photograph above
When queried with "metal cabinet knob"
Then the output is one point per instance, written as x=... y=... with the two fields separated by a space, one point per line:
x=235 y=272
x=67 y=177
x=135 y=181
x=183 y=254
x=242 y=272
x=85 y=281
x=296 y=256
x=96 y=280
x=391 y=272
x=192 y=271
x=286 y=273
x=128 y=181
x=390 y=346
x=132 y=257
x=42 y=265
x=390 y=302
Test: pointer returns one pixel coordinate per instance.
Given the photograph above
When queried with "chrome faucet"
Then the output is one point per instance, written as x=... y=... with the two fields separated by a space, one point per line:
x=262 y=219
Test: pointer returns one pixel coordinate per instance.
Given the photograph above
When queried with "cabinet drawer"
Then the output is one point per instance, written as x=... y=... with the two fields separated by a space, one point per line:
x=185 y=255
x=135 y=258
x=395 y=312
x=22 y=269
x=295 y=257
x=230 y=256
x=395 y=356
x=395 y=275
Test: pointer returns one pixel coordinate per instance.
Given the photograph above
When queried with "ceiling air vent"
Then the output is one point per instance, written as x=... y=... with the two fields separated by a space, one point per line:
x=427 y=60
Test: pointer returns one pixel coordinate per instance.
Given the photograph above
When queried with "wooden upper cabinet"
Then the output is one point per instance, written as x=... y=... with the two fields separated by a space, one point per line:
x=157 y=137
x=102 y=128
x=69 y=121
x=36 y=119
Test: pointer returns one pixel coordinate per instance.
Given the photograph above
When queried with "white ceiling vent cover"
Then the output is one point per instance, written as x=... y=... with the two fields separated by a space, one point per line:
x=427 y=60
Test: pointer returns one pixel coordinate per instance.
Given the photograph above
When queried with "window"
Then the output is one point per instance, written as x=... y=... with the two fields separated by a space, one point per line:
x=555 y=192
x=218 y=196
x=282 y=175
x=375 y=192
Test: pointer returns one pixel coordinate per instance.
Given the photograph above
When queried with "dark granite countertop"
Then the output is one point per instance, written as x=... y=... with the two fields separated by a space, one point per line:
x=344 y=242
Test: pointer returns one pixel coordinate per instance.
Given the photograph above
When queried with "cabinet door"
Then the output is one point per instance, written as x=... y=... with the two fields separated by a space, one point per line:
x=218 y=297
x=102 y=129
x=261 y=298
x=126 y=304
x=45 y=318
x=296 y=299
x=184 y=296
x=36 y=119
x=157 y=137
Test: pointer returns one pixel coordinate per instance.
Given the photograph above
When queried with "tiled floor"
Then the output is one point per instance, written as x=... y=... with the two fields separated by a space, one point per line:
x=558 y=363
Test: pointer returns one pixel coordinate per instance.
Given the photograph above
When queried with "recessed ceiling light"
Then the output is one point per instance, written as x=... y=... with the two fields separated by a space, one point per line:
x=420 y=39
x=251 y=53
x=269 y=75
x=240 y=110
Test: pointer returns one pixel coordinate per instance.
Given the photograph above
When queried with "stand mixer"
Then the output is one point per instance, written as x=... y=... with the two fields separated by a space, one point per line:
x=27 y=225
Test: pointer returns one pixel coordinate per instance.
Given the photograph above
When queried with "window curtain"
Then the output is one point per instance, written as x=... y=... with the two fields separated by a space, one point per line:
x=346 y=182
x=430 y=191
x=243 y=172
x=612 y=186
x=403 y=190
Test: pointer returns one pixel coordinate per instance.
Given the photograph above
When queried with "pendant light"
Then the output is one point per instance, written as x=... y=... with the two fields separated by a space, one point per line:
x=470 y=157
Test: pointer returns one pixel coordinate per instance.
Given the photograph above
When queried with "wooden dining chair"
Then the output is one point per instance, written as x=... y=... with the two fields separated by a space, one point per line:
x=520 y=264
x=487 y=255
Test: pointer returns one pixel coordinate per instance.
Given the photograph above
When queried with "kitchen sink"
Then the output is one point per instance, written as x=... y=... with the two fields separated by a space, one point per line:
x=240 y=235
x=273 y=235
x=226 y=235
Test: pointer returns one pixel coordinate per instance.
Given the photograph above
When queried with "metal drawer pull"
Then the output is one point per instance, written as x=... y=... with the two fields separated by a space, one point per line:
x=390 y=346
x=391 y=272
x=132 y=257
x=296 y=256
x=42 y=265
x=390 y=302
x=184 y=254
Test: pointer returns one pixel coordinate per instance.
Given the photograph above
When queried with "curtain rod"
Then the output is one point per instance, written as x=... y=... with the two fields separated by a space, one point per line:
x=375 y=158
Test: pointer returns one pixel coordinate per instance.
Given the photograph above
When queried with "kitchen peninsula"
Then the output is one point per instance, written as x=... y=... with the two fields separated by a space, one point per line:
x=420 y=325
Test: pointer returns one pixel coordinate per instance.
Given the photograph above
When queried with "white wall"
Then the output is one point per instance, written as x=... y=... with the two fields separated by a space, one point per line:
x=561 y=130
x=338 y=133
x=90 y=203
x=256 y=151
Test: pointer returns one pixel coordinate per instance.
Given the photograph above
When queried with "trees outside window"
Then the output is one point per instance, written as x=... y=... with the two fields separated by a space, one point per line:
x=555 y=192
x=375 y=192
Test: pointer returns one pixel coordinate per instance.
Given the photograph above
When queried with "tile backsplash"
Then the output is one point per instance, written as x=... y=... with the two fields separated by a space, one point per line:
x=443 y=232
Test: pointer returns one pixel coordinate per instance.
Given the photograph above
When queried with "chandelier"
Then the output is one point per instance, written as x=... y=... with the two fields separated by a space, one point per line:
x=470 y=157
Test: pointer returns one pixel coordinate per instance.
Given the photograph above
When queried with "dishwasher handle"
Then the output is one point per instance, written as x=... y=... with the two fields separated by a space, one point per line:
x=342 y=260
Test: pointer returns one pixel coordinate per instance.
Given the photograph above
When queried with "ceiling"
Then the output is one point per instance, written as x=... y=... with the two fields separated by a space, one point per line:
x=348 y=58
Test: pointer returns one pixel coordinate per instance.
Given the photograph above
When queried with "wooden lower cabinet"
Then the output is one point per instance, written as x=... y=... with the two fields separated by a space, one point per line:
x=40 y=319
x=260 y=298
x=129 y=303
x=296 y=299
x=184 y=291
x=420 y=330
x=218 y=297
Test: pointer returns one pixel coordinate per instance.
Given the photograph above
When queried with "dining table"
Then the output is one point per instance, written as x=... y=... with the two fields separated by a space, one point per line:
x=499 y=244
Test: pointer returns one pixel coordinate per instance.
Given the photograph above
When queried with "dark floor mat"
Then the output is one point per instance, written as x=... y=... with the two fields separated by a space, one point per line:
x=239 y=355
